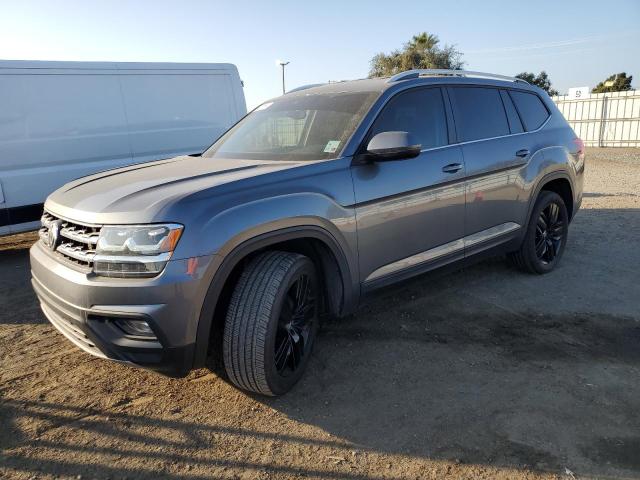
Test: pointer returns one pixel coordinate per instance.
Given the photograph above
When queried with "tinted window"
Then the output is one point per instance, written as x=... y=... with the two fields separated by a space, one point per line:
x=532 y=111
x=420 y=112
x=514 y=120
x=479 y=113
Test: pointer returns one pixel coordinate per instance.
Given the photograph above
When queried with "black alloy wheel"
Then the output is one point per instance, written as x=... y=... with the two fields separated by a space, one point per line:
x=295 y=326
x=550 y=231
x=544 y=241
x=272 y=322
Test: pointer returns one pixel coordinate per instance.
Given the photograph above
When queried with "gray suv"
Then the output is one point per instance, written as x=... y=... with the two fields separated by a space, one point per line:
x=230 y=258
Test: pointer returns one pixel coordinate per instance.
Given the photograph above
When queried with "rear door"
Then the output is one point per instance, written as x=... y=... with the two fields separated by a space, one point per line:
x=494 y=149
x=410 y=212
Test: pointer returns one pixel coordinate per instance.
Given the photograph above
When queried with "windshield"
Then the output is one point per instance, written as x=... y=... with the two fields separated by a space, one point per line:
x=297 y=127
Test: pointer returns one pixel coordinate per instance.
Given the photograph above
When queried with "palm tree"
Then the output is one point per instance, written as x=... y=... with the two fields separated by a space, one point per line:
x=422 y=51
x=424 y=41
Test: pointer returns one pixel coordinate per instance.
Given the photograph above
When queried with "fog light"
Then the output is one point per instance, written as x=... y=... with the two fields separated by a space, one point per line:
x=139 y=328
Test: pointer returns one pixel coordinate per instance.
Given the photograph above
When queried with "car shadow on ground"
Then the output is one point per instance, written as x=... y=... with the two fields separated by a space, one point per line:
x=491 y=366
x=177 y=444
x=491 y=387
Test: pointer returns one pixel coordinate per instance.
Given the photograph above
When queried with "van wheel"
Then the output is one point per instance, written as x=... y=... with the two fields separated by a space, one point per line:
x=271 y=323
x=546 y=235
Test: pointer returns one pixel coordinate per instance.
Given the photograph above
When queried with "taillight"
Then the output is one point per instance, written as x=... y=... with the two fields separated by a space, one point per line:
x=579 y=155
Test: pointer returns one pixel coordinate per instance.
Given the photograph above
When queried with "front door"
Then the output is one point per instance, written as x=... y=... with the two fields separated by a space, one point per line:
x=410 y=213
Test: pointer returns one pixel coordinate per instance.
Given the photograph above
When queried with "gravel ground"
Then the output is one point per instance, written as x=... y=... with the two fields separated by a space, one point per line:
x=482 y=373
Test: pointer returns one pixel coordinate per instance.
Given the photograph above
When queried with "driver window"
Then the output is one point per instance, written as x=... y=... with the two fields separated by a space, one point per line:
x=419 y=111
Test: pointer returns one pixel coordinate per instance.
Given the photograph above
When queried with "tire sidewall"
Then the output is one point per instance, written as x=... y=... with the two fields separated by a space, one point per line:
x=277 y=383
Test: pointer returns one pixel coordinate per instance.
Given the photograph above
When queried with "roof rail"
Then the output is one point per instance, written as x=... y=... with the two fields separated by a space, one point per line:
x=452 y=73
x=304 y=87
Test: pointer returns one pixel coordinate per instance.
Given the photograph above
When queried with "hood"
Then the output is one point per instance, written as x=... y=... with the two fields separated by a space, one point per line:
x=135 y=193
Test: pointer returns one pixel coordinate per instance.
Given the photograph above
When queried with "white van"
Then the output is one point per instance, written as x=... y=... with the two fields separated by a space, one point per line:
x=63 y=120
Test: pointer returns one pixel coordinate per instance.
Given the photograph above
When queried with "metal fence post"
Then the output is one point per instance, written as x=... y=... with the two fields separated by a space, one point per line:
x=603 y=119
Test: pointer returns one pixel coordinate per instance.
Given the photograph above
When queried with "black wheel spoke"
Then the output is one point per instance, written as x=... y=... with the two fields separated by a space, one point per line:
x=295 y=324
x=302 y=314
x=556 y=231
x=553 y=214
x=550 y=230
x=283 y=352
x=297 y=351
x=542 y=222
x=551 y=250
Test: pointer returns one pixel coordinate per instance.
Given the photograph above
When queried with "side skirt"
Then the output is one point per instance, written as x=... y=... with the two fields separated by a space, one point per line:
x=442 y=255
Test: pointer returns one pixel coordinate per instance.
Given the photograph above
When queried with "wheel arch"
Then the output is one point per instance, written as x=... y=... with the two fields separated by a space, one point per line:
x=558 y=182
x=316 y=242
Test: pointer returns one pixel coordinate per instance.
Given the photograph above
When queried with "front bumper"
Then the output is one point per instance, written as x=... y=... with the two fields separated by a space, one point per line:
x=84 y=308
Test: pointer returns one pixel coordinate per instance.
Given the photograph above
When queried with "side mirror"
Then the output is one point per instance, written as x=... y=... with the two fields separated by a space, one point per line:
x=387 y=146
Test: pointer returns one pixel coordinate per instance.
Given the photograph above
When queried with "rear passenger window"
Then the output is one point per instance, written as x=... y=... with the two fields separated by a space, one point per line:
x=479 y=113
x=531 y=109
x=420 y=112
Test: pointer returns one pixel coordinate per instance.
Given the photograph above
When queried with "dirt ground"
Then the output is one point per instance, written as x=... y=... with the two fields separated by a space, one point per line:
x=481 y=373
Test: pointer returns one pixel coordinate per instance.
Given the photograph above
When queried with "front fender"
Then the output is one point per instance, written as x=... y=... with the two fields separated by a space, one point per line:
x=236 y=232
x=223 y=265
x=229 y=230
x=258 y=217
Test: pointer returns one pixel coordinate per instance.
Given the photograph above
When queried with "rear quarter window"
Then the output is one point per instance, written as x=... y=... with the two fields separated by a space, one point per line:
x=512 y=113
x=531 y=109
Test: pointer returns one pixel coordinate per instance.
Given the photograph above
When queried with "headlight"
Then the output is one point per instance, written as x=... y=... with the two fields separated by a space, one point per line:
x=135 y=250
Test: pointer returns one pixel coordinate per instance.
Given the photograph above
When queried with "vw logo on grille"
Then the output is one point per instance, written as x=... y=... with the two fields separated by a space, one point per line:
x=54 y=234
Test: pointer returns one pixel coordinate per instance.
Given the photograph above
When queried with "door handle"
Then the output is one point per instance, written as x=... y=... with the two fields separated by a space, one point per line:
x=522 y=153
x=452 y=168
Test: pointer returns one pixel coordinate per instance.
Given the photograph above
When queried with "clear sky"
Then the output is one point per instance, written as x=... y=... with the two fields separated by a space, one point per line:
x=577 y=42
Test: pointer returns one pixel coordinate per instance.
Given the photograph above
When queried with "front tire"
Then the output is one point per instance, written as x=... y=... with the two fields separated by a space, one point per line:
x=271 y=323
x=546 y=236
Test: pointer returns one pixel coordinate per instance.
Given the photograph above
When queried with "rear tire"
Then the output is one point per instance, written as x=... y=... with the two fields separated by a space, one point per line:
x=271 y=323
x=546 y=235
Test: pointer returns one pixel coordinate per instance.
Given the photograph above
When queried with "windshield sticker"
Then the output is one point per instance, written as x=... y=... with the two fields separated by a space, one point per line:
x=332 y=146
x=264 y=106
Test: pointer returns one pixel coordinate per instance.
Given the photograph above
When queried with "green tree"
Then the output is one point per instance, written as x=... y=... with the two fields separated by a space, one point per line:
x=422 y=51
x=541 y=80
x=618 y=82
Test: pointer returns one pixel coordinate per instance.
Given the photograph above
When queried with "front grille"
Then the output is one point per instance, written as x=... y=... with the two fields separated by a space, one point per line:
x=74 y=242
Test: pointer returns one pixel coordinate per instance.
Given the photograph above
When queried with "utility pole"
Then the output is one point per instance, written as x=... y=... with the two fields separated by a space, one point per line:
x=282 y=64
